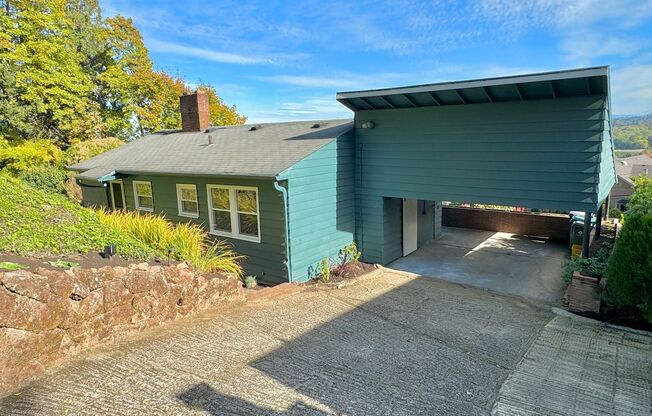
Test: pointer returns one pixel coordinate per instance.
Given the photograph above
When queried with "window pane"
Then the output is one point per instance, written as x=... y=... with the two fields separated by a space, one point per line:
x=220 y=198
x=189 y=194
x=189 y=206
x=144 y=189
x=248 y=224
x=145 y=202
x=222 y=221
x=247 y=201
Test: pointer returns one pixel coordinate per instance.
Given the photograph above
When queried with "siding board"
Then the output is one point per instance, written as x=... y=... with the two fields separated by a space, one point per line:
x=547 y=154
x=321 y=193
x=264 y=259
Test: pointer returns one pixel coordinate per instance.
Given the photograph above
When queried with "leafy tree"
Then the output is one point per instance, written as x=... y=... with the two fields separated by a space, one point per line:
x=16 y=116
x=40 y=50
x=221 y=113
x=67 y=74
x=632 y=137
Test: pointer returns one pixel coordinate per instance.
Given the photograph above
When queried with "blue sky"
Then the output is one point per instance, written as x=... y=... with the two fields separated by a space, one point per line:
x=285 y=60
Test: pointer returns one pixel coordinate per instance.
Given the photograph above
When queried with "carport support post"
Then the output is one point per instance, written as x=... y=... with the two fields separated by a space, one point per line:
x=586 y=235
x=598 y=223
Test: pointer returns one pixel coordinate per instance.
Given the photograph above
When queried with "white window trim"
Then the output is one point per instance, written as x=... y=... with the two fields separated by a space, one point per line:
x=182 y=213
x=138 y=207
x=122 y=188
x=233 y=210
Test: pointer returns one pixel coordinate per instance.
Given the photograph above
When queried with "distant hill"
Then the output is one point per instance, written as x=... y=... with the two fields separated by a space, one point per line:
x=633 y=132
x=629 y=120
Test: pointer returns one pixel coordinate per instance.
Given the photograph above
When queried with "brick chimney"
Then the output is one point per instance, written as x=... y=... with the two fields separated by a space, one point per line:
x=195 y=115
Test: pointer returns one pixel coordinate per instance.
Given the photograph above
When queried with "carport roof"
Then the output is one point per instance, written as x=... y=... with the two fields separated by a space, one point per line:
x=544 y=85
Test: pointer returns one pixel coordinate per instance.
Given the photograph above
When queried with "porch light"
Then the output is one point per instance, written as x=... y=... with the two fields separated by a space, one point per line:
x=368 y=125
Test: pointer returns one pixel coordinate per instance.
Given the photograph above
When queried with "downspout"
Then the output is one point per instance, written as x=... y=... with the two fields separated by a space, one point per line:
x=284 y=192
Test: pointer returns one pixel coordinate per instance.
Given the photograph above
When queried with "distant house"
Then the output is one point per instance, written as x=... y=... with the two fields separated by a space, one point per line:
x=627 y=169
x=289 y=194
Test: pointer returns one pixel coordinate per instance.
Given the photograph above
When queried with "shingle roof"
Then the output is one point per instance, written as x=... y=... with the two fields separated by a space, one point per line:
x=628 y=167
x=265 y=151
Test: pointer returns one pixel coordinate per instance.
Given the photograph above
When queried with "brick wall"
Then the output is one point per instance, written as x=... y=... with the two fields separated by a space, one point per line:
x=554 y=226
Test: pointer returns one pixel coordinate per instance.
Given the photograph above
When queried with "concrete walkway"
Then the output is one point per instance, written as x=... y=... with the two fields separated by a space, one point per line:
x=502 y=262
x=388 y=344
x=581 y=367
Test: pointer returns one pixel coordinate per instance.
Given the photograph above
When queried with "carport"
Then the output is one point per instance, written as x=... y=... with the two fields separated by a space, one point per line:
x=539 y=141
x=509 y=263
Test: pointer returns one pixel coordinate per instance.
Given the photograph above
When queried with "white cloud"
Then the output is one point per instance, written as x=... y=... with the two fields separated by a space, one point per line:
x=207 y=54
x=307 y=81
x=338 y=81
x=311 y=108
x=584 y=48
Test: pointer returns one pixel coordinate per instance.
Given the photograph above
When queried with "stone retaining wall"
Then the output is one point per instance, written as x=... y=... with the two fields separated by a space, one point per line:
x=47 y=316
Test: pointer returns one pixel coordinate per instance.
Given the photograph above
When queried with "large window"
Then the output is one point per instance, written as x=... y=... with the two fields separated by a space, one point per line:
x=187 y=200
x=143 y=196
x=233 y=212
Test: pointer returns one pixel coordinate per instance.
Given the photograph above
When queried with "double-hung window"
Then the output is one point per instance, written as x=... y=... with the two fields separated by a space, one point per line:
x=234 y=212
x=187 y=200
x=143 y=196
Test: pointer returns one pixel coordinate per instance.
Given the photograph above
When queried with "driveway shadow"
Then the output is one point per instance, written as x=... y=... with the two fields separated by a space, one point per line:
x=204 y=397
x=404 y=352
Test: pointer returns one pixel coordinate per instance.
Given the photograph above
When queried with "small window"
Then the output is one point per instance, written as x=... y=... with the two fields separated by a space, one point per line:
x=143 y=196
x=233 y=212
x=187 y=200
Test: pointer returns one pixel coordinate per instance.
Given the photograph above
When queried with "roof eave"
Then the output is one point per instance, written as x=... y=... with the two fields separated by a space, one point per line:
x=484 y=82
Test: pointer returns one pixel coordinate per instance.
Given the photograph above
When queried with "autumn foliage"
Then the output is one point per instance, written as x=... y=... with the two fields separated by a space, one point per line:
x=67 y=75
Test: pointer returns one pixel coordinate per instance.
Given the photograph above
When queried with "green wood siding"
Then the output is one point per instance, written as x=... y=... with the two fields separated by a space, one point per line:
x=393 y=226
x=321 y=207
x=93 y=195
x=607 y=171
x=265 y=259
x=540 y=154
x=424 y=222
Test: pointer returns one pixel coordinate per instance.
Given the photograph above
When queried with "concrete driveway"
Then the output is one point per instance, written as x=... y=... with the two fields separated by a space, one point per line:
x=389 y=344
x=502 y=262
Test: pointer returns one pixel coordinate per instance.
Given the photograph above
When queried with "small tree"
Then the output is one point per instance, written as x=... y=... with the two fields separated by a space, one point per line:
x=629 y=288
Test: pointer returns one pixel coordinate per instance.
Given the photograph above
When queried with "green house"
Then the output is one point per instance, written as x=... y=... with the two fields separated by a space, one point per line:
x=287 y=195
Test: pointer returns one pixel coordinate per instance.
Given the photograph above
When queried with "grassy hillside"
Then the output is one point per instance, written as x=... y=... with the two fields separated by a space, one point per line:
x=35 y=222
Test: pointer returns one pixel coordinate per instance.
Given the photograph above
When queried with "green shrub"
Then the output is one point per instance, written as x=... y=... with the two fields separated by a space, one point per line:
x=641 y=200
x=324 y=271
x=594 y=266
x=615 y=213
x=46 y=178
x=250 y=282
x=629 y=288
x=349 y=254
x=25 y=155
x=11 y=266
